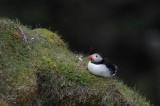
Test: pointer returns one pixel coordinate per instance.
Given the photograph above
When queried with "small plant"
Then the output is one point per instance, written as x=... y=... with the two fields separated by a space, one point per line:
x=46 y=59
x=63 y=83
x=47 y=66
x=48 y=62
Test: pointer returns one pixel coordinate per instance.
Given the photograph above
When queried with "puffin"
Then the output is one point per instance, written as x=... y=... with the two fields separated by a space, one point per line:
x=100 y=66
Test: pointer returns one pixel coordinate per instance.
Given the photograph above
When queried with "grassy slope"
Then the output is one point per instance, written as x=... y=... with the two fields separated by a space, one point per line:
x=44 y=71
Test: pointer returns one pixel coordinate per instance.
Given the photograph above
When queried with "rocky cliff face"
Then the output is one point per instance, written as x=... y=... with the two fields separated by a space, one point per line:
x=37 y=68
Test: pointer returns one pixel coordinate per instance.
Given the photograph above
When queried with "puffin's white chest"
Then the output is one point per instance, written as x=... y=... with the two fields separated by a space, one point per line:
x=99 y=69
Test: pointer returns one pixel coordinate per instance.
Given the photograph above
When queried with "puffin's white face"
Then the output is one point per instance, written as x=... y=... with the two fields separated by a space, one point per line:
x=95 y=58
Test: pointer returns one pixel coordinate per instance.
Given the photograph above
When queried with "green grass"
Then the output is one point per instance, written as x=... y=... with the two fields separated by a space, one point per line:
x=45 y=72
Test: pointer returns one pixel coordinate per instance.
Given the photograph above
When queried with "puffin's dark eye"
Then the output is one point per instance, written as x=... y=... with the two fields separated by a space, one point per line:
x=96 y=56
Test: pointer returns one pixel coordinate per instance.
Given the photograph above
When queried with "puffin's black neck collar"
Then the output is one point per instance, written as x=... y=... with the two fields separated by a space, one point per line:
x=101 y=62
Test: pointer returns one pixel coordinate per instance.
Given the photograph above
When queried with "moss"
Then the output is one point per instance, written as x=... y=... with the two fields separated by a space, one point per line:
x=45 y=72
x=71 y=74
x=3 y=103
x=51 y=37
x=132 y=96
x=17 y=80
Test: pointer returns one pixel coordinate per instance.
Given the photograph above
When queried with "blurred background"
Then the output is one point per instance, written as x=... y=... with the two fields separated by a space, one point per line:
x=125 y=31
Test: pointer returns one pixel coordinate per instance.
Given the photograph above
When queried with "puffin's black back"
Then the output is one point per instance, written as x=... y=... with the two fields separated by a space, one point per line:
x=113 y=68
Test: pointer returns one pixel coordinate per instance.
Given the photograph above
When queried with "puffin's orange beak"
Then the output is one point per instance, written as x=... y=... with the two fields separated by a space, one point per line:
x=90 y=58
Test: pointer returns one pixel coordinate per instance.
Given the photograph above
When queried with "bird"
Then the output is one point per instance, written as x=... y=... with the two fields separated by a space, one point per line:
x=100 y=66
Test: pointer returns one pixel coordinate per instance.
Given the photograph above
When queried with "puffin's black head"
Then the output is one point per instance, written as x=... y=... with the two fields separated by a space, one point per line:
x=95 y=58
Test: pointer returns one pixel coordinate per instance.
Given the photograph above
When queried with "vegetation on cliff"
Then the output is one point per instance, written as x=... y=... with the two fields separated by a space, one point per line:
x=37 y=68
